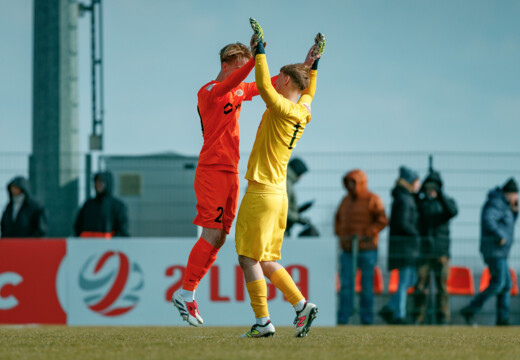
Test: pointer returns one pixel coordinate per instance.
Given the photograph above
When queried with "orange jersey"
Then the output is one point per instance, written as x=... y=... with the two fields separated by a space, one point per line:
x=219 y=105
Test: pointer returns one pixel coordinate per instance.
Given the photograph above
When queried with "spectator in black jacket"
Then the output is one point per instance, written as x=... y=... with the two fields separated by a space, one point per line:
x=103 y=216
x=436 y=210
x=403 y=249
x=295 y=171
x=23 y=217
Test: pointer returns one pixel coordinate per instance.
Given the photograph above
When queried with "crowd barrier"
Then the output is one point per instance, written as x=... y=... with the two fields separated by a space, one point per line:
x=130 y=282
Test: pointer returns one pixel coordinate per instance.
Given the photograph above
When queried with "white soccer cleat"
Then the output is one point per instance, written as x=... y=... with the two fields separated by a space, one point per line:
x=304 y=319
x=188 y=310
x=258 y=331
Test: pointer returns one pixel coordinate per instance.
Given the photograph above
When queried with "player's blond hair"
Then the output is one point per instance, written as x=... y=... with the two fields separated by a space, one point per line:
x=231 y=52
x=299 y=74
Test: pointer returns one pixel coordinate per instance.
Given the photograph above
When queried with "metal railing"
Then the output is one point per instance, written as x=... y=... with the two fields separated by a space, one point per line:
x=467 y=178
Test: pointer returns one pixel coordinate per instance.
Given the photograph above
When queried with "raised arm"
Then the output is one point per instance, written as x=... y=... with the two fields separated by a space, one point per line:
x=308 y=94
x=234 y=79
x=252 y=90
x=265 y=88
x=311 y=60
x=273 y=100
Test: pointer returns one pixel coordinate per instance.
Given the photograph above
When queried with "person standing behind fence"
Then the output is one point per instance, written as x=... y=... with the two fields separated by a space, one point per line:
x=361 y=214
x=436 y=210
x=103 y=216
x=295 y=170
x=497 y=226
x=23 y=216
x=404 y=243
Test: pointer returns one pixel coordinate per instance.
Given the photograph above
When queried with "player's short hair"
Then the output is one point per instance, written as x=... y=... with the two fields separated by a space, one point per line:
x=231 y=52
x=299 y=74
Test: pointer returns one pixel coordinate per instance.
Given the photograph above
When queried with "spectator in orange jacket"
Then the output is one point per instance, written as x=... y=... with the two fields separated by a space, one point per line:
x=361 y=214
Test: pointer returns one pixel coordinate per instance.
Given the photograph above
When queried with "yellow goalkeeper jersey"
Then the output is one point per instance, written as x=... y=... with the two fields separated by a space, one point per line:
x=281 y=127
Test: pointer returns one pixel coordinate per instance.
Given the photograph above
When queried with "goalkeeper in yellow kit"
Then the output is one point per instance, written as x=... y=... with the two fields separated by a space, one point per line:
x=262 y=215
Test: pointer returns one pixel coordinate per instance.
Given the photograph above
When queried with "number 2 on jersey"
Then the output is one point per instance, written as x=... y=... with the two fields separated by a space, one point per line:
x=219 y=217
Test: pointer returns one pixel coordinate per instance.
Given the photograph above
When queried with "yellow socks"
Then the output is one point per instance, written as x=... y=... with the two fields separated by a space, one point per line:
x=283 y=281
x=258 y=294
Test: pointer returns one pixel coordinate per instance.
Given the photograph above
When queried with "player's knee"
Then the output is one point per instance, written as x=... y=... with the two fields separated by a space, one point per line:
x=269 y=267
x=213 y=236
x=219 y=242
x=246 y=262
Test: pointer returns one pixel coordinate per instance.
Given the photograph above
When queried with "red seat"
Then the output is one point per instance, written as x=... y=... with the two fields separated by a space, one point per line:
x=96 y=234
x=460 y=281
x=486 y=276
x=378 y=281
x=393 y=283
x=514 y=288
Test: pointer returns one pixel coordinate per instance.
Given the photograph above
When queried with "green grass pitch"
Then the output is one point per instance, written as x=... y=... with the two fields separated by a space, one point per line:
x=347 y=342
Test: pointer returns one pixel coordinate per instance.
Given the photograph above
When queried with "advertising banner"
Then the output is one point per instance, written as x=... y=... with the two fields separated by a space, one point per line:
x=131 y=281
x=28 y=270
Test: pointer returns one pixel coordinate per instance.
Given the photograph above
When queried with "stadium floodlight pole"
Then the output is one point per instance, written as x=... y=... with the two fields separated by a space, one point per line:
x=96 y=56
x=96 y=42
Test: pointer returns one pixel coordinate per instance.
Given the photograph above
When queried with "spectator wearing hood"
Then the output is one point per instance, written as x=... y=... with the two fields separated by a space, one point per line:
x=361 y=214
x=497 y=225
x=103 y=216
x=295 y=171
x=436 y=210
x=404 y=241
x=23 y=217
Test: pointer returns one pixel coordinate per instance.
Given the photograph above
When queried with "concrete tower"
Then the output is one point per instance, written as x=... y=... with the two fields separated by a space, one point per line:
x=54 y=164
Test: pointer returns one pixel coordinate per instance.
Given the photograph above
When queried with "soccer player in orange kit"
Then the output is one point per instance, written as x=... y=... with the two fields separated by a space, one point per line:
x=216 y=177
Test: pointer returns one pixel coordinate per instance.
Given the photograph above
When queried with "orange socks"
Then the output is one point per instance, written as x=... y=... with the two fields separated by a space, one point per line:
x=202 y=256
x=284 y=282
x=258 y=294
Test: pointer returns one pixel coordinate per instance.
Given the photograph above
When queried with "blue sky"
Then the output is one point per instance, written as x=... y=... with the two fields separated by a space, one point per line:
x=396 y=75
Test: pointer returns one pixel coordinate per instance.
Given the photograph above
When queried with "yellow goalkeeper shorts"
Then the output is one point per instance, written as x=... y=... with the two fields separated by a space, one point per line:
x=261 y=222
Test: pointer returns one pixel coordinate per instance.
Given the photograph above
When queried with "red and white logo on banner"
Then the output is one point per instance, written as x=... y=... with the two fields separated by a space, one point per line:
x=111 y=283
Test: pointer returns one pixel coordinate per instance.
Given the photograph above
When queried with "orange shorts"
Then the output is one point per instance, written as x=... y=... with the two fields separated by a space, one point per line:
x=217 y=198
